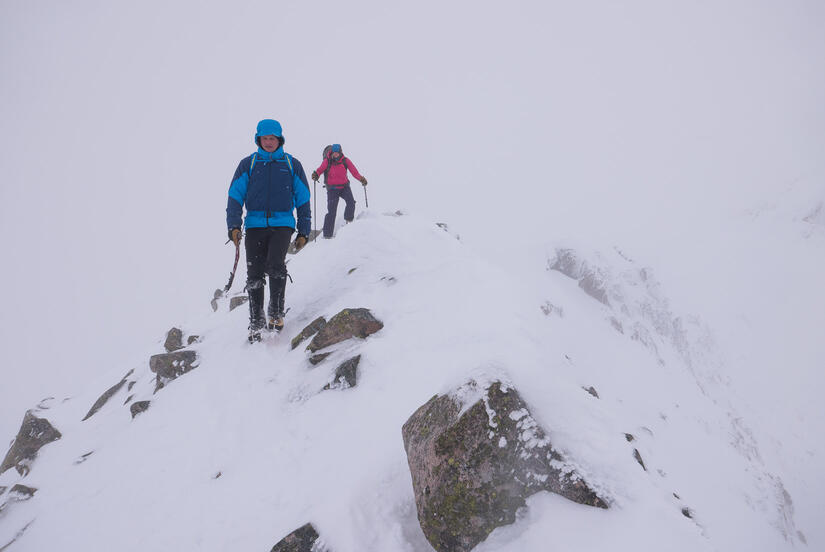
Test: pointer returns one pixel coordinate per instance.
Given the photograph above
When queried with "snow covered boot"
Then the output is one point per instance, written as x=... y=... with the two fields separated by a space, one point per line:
x=275 y=311
x=256 y=310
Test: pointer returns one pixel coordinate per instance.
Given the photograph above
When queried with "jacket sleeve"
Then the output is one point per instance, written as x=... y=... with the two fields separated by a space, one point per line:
x=237 y=195
x=301 y=198
x=351 y=166
x=323 y=167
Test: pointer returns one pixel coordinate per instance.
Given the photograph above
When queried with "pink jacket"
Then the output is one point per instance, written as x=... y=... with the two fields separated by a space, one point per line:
x=337 y=177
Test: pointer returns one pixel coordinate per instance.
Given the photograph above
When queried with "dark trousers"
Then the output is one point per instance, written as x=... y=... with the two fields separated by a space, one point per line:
x=333 y=195
x=265 y=255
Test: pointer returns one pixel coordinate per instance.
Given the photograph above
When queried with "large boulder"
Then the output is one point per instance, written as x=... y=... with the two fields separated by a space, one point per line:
x=473 y=468
x=169 y=366
x=303 y=539
x=345 y=325
x=33 y=435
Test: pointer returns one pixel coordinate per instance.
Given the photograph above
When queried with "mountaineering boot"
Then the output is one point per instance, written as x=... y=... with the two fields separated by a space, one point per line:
x=276 y=324
x=256 y=310
x=275 y=311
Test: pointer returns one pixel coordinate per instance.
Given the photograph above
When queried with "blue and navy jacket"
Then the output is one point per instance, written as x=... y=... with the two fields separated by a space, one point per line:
x=274 y=187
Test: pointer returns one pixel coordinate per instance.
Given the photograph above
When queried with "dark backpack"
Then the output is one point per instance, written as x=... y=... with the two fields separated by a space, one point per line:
x=328 y=156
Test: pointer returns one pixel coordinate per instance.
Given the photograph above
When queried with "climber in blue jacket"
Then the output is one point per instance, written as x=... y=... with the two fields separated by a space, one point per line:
x=271 y=184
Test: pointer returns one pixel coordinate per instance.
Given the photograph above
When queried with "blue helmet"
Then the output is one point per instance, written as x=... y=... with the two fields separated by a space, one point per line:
x=268 y=127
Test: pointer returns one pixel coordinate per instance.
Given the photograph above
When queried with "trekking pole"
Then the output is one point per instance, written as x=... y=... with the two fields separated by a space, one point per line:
x=314 y=211
x=234 y=266
x=366 y=200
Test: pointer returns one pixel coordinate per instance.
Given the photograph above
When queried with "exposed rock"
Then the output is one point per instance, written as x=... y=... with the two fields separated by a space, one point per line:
x=311 y=329
x=346 y=324
x=138 y=407
x=33 y=435
x=317 y=359
x=169 y=366
x=83 y=458
x=174 y=340
x=2 y=489
x=590 y=279
x=592 y=391
x=237 y=301
x=22 y=492
x=215 y=296
x=346 y=375
x=104 y=398
x=629 y=437
x=472 y=471
x=193 y=339
x=687 y=513
x=638 y=458
x=300 y=540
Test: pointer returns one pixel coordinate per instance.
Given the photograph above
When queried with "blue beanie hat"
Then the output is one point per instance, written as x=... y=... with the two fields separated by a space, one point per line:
x=336 y=148
x=269 y=127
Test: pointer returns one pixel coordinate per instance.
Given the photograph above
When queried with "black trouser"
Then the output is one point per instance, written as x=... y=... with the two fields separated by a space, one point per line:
x=333 y=195
x=265 y=253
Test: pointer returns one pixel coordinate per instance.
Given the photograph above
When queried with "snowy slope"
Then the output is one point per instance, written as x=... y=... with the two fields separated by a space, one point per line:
x=288 y=453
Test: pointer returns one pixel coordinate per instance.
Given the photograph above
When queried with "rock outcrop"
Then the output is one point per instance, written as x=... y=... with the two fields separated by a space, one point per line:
x=174 y=340
x=139 y=407
x=104 y=398
x=311 y=329
x=345 y=325
x=169 y=366
x=346 y=375
x=33 y=435
x=303 y=539
x=473 y=468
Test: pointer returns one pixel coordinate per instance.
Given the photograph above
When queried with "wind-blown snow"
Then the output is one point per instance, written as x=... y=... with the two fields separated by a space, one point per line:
x=680 y=141
x=246 y=448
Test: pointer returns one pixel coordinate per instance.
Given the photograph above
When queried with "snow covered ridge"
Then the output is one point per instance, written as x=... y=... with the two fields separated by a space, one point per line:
x=300 y=440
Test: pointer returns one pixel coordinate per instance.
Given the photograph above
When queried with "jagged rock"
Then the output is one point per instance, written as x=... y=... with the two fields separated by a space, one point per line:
x=174 y=340
x=237 y=301
x=312 y=328
x=302 y=539
x=18 y=493
x=33 y=435
x=317 y=359
x=215 y=296
x=471 y=471
x=104 y=398
x=346 y=375
x=169 y=366
x=592 y=391
x=22 y=492
x=638 y=458
x=590 y=280
x=138 y=407
x=193 y=339
x=346 y=324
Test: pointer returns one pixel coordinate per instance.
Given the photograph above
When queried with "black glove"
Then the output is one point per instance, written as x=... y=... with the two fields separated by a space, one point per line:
x=315 y=176
x=363 y=181
x=235 y=235
x=300 y=242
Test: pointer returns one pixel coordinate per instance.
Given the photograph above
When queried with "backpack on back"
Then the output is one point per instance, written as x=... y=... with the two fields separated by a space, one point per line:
x=328 y=156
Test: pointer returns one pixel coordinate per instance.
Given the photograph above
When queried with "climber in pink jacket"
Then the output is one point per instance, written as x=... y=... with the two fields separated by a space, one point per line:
x=334 y=168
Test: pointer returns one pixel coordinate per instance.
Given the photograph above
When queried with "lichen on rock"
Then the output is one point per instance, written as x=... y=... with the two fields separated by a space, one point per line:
x=473 y=468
